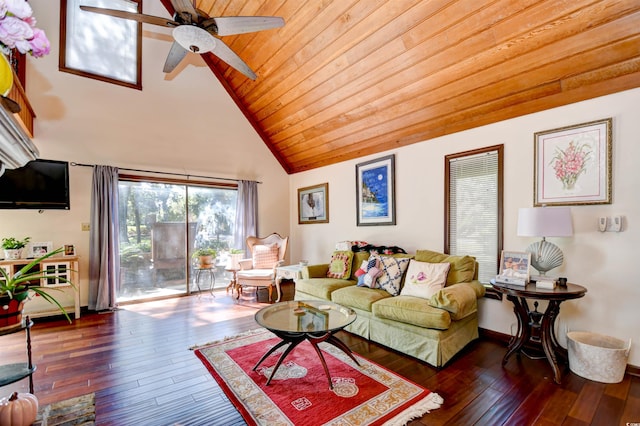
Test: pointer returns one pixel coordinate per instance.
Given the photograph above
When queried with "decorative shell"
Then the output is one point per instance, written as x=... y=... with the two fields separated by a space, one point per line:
x=545 y=256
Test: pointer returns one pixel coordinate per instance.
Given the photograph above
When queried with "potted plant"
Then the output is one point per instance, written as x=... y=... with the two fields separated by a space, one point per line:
x=205 y=257
x=13 y=247
x=235 y=256
x=15 y=289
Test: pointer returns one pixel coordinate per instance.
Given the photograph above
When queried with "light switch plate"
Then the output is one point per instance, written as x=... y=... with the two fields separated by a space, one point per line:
x=602 y=224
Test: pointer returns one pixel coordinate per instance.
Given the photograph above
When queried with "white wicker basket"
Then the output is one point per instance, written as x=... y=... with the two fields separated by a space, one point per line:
x=597 y=357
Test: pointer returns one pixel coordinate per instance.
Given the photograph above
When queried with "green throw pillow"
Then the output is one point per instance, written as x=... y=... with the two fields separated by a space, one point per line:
x=340 y=265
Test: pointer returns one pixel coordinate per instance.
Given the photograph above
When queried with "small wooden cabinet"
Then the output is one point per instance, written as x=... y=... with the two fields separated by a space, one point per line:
x=59 y=267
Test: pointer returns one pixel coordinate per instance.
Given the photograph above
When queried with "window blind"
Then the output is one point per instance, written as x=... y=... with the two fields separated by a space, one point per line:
x=473 y=210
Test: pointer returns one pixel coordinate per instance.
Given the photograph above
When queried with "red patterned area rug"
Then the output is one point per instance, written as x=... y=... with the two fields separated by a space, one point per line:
x=299 y=393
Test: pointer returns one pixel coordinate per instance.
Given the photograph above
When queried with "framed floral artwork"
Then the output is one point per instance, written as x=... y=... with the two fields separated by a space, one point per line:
x=375 y=192
x=573 y=165
x=313 y=204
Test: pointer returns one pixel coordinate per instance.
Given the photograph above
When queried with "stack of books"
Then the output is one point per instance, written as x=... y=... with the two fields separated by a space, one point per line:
x=503 y=279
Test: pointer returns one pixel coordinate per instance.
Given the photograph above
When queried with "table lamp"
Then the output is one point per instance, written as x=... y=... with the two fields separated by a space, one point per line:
x=545 y=222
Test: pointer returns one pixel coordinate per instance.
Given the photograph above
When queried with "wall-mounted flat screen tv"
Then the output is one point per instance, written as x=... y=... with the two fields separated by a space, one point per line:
x=40 y=185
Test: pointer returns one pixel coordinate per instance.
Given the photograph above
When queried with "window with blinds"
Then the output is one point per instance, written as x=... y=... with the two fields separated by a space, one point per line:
x=473 y=192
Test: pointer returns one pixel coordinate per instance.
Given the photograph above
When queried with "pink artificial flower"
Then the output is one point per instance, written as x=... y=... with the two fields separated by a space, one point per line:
x=14 y=30
x=18 y=29
x=18 y=8
x=31 y=20
x=40 y=45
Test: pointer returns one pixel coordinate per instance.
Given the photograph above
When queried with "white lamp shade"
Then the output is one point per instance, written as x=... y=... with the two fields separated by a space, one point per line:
x=545 y=222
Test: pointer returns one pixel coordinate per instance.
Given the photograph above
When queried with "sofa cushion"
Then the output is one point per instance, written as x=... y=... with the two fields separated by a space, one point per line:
x=358 y=297
x=265 y=256
x=460 y=300
x=393 y=269
x=412 y=310
x=424 y=279
x=463 y=268
x=340 y=265
x=321 y=287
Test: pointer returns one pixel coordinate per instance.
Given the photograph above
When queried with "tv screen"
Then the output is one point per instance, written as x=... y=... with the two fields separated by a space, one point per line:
x=40 y=185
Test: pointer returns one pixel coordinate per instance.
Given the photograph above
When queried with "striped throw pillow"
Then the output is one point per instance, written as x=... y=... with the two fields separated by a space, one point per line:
x=265 y=256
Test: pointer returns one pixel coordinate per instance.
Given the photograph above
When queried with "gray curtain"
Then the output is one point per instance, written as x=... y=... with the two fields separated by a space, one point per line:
x=246 y=213
x=104 y=260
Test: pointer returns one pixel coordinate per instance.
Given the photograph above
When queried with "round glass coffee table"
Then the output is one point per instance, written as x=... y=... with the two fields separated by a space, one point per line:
x=297 y=321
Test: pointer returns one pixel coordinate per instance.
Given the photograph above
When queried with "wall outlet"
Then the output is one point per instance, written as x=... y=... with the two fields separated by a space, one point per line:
x=86 y=226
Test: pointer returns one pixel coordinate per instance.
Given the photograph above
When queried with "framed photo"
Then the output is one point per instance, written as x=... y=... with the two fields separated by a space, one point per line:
x=573 y=165
x=39 y=249
x=69 y=250
x=375 y=192
x=313 y=204
x=514 y=265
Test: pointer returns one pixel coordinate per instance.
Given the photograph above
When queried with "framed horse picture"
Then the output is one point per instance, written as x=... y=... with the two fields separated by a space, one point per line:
x=313 y=204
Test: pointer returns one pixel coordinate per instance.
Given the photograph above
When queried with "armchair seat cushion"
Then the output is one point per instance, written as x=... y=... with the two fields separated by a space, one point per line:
x=412 y=310
x=256 y=274
x=321 y=287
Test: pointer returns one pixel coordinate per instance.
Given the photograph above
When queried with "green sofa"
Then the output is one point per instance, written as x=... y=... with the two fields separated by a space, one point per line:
x=432 y=330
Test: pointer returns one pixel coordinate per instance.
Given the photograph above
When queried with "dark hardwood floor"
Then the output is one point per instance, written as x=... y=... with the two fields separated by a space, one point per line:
x=138 y=363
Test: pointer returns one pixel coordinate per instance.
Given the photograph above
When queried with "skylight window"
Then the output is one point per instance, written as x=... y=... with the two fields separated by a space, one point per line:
x=101 y=47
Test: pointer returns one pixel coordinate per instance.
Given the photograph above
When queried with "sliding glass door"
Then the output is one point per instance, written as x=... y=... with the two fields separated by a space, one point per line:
x=157 y=240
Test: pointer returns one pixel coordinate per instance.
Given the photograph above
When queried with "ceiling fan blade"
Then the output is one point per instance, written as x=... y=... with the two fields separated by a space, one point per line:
x=181 y=6
x=230 y=25
x=139 y=17
x=176 y=54
x=225 y=53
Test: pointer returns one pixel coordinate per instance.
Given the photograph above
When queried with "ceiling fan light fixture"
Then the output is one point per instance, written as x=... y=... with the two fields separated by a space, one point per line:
x=194 y=39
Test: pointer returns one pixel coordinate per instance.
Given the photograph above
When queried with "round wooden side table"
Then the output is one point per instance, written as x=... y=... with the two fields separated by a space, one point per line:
x=537 y=327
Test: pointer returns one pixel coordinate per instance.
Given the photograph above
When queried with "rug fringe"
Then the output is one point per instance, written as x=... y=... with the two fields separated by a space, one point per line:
x=432 y=401
x=245 y=334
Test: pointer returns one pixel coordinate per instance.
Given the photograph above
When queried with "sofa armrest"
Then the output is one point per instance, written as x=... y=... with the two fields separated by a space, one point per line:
x=478 y=287
x=460 y=300
x=315 y=271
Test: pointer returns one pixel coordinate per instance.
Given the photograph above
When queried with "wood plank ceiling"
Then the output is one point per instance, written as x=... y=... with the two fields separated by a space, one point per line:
x=348 y=78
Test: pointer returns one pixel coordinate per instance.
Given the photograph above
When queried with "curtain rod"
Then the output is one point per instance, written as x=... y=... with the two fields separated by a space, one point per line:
x=163 y=173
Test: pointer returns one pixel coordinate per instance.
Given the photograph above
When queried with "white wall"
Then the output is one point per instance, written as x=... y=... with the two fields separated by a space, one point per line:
x=602 y=262
x=184 y=123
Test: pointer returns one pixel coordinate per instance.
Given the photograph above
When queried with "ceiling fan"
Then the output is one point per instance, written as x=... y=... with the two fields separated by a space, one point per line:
x=194 y=31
